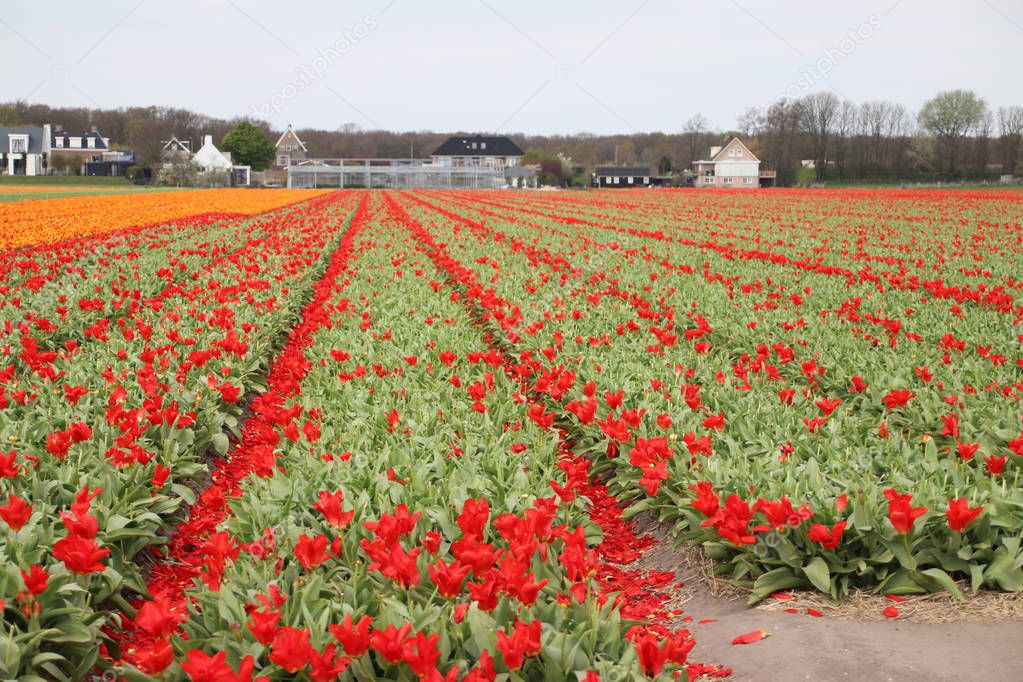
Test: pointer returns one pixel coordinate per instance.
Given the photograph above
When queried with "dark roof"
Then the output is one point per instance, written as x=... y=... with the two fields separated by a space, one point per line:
x=85 y=135
x=35 y=139
x=623 y=171
x=462 y=145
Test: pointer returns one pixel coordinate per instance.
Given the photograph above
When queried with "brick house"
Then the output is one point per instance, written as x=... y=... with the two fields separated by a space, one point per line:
x=85 y=144
x=290 y=149
x=731 y=166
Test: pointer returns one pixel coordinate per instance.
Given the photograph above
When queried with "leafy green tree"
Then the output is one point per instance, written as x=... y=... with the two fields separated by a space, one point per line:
x=549 y=170
x=950 y=116
x=249 y=146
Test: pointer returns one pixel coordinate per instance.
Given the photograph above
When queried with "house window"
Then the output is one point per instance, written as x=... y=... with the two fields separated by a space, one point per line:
x=59 y=142
x=283 y=160
x=76 y=142
x=631 y=179
x=19 y=144
x=92 y=143
x=483 y=145
x=728 y=181
x=646 y=181
x=749 y=181
x=709 y=180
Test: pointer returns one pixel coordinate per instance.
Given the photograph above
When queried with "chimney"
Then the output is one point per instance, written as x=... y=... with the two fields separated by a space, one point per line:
x=714 y=151
x=207 y=140
x=47 y=138
x=58 y=128
x=93 y=129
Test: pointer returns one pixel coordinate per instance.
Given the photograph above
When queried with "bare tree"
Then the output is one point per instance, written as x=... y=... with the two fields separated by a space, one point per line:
x=780 y=137
x=982 y=144
x=750 y=121
x=694 y=130
x=1010 y=131
x=819 y=113
x=845 y=129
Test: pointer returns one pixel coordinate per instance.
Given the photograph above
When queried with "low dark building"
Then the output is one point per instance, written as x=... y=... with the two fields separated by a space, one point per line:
x=110 y=164
x=627 y=176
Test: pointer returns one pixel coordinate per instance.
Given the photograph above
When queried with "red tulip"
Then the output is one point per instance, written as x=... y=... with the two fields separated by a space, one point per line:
x=652 y=655
x=263 y=625
x=80 y=554
x=390 y=642
x=995 y=464
x=354 y=639
x=829 y=539
x=523 y=643
x=16 y=512
x=326 y=666
x=329 y=504
x=154 y=658
x=421 y=655
x=950 y=424
x=959 y=513
x=707 y=501
x=448 y=579
x=290 y=648
x=311 y=552
x=898 y=398
x=901 y=514
x=35 y=579
x=157 y=618
x=8 y=469
x=202 y=667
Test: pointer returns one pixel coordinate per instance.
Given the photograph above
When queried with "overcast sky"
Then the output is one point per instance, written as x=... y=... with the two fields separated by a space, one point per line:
x=550 y=66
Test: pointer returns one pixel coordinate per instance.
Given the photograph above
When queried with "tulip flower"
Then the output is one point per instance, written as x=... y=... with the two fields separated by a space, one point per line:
x=960 y=515
x=901 y=513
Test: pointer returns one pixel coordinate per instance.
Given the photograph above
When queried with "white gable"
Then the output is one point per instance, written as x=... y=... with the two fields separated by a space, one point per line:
x=209 y=157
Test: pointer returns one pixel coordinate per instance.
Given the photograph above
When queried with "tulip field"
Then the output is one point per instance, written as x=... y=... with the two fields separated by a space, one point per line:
x=358 y=435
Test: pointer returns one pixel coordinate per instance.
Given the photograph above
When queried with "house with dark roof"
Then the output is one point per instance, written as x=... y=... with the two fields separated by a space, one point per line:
x=24 y=150
x=477 y=150
x=290 y=149
x=623 y=177
x=84 y=144
x=31 y=151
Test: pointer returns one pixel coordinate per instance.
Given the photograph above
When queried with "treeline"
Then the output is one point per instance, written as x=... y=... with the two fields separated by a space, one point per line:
x=955 y=136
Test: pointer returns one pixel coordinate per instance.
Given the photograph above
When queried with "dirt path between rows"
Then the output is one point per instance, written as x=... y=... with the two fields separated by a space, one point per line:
x=804 y=647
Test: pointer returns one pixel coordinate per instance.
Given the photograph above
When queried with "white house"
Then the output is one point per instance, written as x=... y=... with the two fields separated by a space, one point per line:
x=731 y=166
x=209 y=158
